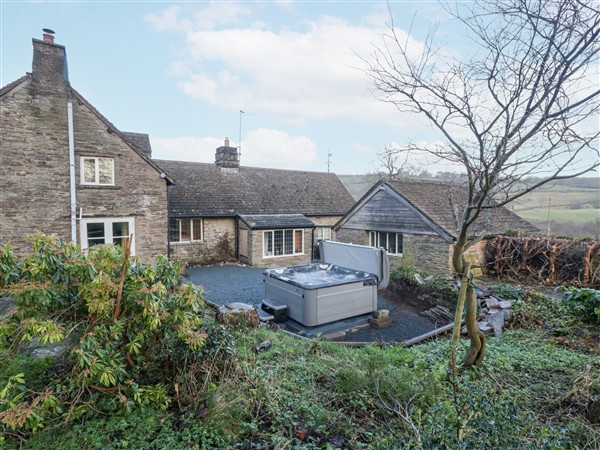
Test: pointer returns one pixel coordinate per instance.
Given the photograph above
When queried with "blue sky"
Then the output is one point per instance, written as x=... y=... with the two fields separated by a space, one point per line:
x=181 y=72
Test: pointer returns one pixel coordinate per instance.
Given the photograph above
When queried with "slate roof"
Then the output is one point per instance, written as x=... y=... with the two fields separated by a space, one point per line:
x=268 y=221
x=443 y=203
x=203 y=190
x=141 y=141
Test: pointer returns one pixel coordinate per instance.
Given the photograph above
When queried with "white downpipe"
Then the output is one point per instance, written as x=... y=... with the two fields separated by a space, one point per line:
x=72 y=173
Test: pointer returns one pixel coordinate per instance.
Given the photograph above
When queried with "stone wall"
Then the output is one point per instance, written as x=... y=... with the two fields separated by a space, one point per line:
x=218 y=245
x=326 y=221
x=34 y=164
x=431 y=253
x=34 y=158
x=256 y=259
x=139 y=191
x=351 y=236
x=476 y=254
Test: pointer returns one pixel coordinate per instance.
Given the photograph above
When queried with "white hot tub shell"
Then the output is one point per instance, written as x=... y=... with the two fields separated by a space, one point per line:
x=320 y=293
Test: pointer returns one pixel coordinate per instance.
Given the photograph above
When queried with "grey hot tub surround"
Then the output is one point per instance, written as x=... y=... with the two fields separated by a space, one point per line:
x=343 y=285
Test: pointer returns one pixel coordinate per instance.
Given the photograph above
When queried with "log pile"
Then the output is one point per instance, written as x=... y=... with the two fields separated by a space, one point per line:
x=546 y=260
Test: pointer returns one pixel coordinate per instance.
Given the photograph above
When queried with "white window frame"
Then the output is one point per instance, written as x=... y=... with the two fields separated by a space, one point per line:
x=375 y=240
x=108 y=236
x=323 y=233
x=96 y=181
x=191 y=219
x=267 y=254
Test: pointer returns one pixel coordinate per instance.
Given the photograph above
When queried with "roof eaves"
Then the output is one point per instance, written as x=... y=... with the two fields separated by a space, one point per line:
x=10 y=86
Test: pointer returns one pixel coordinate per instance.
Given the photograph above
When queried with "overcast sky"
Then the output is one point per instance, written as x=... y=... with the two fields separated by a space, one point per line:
x=182 y=72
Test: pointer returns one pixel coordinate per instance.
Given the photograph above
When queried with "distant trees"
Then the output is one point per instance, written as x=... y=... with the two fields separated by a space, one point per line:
x=524 y=103
x=392 y=163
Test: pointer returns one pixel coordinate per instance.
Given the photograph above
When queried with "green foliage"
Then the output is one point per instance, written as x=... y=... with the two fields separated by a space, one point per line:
x=126 y=315
x=405 y=274
x=378 y=376
x=534 y=309
x=478 y=414
x=10 y=267
x=583 y=304
x=143 y=430
x=505 y=291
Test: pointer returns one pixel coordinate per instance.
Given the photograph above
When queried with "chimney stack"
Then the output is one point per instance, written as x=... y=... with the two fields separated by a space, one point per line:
x=227 y=157
x=48 y=35
x=49 y=66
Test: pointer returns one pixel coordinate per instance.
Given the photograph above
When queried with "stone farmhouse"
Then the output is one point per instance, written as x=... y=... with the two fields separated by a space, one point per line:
x=65 y=169
x=421 y=219
x=261 y=217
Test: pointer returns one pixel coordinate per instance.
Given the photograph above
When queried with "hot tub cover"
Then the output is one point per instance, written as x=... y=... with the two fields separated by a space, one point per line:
x=357 y=257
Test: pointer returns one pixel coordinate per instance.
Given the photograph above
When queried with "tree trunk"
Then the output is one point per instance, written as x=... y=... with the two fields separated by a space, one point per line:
x=467 y=295
x=477 y=348
x=462 y=296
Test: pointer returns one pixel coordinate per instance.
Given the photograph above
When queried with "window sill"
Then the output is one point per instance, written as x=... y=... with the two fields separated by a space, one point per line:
x=186 y=242
x=98 y=186
x=282 y=256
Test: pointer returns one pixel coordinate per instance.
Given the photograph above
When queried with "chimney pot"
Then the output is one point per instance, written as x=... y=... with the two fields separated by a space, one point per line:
x=226 y=142
x=48 y=35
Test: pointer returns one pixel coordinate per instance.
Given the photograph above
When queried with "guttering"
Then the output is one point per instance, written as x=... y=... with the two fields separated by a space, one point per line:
x=72 y=172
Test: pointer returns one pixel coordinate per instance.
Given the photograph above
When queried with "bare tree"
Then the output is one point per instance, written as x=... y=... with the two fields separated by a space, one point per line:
x=393 y=164
x=525 y=103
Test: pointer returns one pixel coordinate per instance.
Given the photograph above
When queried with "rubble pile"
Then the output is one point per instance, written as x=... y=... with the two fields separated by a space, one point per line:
x=494 y=313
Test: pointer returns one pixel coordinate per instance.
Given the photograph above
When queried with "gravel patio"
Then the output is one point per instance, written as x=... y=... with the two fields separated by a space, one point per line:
x=227 y=284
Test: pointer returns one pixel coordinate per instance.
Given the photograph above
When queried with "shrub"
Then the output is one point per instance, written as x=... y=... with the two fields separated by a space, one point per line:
x=10 y=268
x=583 y=304
x=126 y=315
x=505 y=290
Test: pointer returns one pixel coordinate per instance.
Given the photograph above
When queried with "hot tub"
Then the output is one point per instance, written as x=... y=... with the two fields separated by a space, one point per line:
x=325 y=292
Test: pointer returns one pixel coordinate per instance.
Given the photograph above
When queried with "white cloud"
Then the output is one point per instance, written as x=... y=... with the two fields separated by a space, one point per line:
x=273 y=148
x=262 y=148
x=185 y=148
x=214 y=14
x=299 y=74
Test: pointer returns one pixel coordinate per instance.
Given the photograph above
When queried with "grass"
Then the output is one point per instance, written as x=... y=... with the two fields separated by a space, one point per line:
x=534 y=390
x=576 y=216
x=308 y=395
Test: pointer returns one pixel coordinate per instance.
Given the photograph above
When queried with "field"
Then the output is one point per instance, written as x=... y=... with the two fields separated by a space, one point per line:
x=567 y=207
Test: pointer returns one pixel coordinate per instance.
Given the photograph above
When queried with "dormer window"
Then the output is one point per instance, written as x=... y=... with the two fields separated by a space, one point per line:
x=97 y=171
